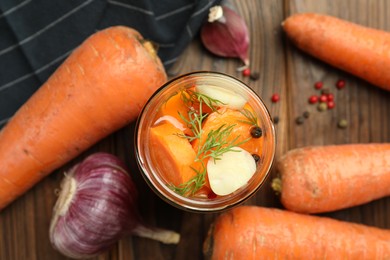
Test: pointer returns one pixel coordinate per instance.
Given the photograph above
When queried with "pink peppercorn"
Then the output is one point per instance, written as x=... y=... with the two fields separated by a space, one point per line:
x=340 y=84
x=323 y=98
x=330 y=97
x=275 y=98
x=313 y=99
x=246 y=72
x=318 y=85
x=331 y=104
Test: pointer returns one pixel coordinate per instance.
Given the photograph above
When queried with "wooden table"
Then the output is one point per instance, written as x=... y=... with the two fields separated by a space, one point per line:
x=283 y=69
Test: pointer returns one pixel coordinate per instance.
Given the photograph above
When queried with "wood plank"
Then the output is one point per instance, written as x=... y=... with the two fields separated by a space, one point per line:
x=284 y=70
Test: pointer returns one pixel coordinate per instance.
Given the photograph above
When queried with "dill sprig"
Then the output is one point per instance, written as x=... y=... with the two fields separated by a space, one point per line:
x=251 y=118
x=196 y=117
x=193 y=122
x=217 y=143
x=194 y=184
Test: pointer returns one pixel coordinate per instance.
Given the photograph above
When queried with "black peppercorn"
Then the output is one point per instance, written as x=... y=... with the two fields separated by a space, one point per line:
x=299 y=120
x=306 y=114
x=256 y=157
x=256 y=132
x=254 y=76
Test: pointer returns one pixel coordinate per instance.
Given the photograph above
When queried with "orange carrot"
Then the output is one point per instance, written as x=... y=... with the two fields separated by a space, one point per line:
x=361 y=51
x=250 y=232
x=175 y=108
x=172 y=153
x=241 y=132
x=100 y=88
x=326 y=178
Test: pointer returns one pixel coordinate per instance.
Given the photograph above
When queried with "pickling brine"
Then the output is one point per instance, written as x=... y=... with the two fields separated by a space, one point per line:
x=206 y=141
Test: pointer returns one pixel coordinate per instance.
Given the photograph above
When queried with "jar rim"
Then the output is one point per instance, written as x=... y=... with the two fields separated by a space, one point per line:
x=202 y=205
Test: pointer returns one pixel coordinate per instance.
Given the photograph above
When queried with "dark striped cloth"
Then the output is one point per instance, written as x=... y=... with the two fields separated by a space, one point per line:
x=37 y=35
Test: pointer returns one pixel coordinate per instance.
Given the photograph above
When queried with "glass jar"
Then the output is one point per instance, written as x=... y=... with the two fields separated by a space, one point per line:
x=150 y=169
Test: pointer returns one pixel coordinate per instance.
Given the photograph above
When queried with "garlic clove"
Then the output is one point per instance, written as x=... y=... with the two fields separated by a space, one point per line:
x=228 y=97
x=231 y=172
x=226 y=34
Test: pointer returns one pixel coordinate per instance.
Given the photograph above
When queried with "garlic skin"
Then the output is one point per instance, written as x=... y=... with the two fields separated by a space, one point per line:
x=226 y=34
x=87 y=219
x=96 y=207
x=216 y=13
